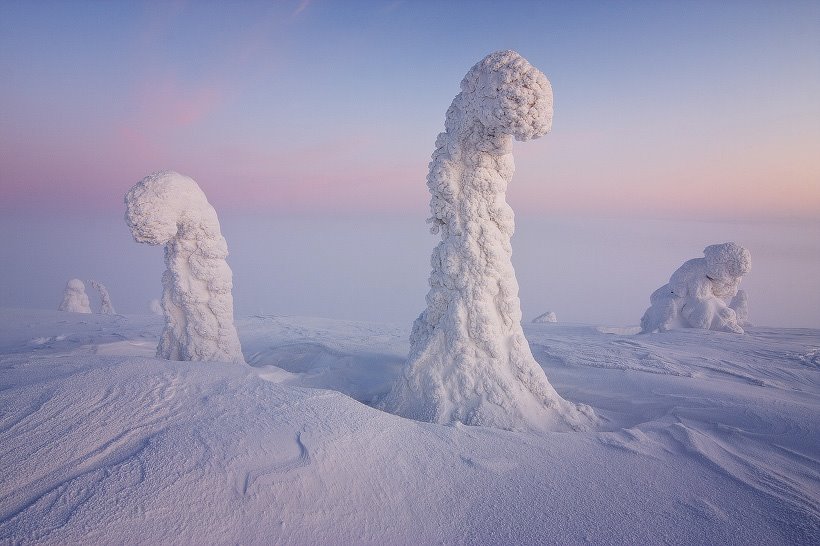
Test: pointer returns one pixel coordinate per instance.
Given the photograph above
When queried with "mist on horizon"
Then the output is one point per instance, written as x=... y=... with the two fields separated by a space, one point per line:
x=586 y=270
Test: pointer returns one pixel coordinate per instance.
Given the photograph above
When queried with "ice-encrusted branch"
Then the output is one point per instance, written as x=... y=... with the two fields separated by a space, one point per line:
x=700 y=293
x=167 y=208
x=469 y=361
x=105 y=298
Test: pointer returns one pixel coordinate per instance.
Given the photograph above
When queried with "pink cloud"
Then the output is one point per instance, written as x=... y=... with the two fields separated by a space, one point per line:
x=167 y=104
x=303 y=4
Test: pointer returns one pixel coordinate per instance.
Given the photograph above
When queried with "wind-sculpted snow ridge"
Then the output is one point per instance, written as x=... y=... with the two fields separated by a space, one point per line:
x=167 y=208
x=105 y=298
x=469 y=361
x=75 y=300
x=704 y=438
x=700 y=293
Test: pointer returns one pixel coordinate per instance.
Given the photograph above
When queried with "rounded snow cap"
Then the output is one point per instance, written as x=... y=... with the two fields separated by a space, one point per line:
x=505 y=92
x=727 y=260
x=155 y=206
x=75 y=285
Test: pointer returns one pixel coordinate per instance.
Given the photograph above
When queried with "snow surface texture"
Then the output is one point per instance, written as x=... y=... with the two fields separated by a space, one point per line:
x=700 y=292
x=469 y=361
x=704 y=438
x=167 y=208
x=105 y=299
x=549 y=316
x=75 y=300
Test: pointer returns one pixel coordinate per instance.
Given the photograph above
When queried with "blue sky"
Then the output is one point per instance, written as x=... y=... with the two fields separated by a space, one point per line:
x=333 y=106
x=327 y=111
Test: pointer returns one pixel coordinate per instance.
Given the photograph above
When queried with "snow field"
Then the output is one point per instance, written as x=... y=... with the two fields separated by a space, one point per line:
x=704 y=437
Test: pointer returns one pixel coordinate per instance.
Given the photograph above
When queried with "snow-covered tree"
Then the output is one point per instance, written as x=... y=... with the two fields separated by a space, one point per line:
x=469 y=361
x=75 y=300
x=167 y=208
x=700 y=292
x=549 y=316
x=105 y=298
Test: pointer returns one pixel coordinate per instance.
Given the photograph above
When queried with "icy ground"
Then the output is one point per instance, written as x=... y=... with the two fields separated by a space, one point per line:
x=708 y=437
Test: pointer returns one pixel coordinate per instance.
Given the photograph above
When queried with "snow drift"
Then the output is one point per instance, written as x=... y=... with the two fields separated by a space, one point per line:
x=167 y=208
x=700 y=293
x=469 y=361
x=706 y=438
x=75 y=300
x=106 y=308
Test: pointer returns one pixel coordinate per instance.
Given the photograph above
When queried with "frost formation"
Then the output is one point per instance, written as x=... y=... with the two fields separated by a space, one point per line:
x=469 y=361
x=75 y=300
x=549 y=316
x=105 y=298
x=167 y=208
x=703 y=293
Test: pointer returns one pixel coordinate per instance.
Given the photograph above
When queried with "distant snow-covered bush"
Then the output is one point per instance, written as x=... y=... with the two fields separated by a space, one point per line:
x=701 y=291
x=75 y=300
x=167 y=208
x=549 y=316
x=155 y=307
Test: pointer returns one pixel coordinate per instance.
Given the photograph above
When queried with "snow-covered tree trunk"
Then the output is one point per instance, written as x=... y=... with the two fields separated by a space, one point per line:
x=169 y=208
x=105 y=298
x=469 y=361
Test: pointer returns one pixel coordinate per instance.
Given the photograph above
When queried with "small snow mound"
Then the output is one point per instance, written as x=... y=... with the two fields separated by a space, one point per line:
x=547 y=317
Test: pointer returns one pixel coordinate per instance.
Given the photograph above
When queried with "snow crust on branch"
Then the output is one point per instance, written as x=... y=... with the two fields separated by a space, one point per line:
x=469 y=361
x=700 y=293
x=167 y=208
x=740 y=304
x=105 y=298
x=75 y=300
x=549 y=316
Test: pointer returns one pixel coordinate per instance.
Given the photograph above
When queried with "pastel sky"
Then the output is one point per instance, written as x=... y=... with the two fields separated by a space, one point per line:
x=662 y=108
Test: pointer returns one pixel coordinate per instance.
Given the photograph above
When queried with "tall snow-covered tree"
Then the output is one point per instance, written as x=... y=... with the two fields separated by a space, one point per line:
x=167 y=208
x=469 y=361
